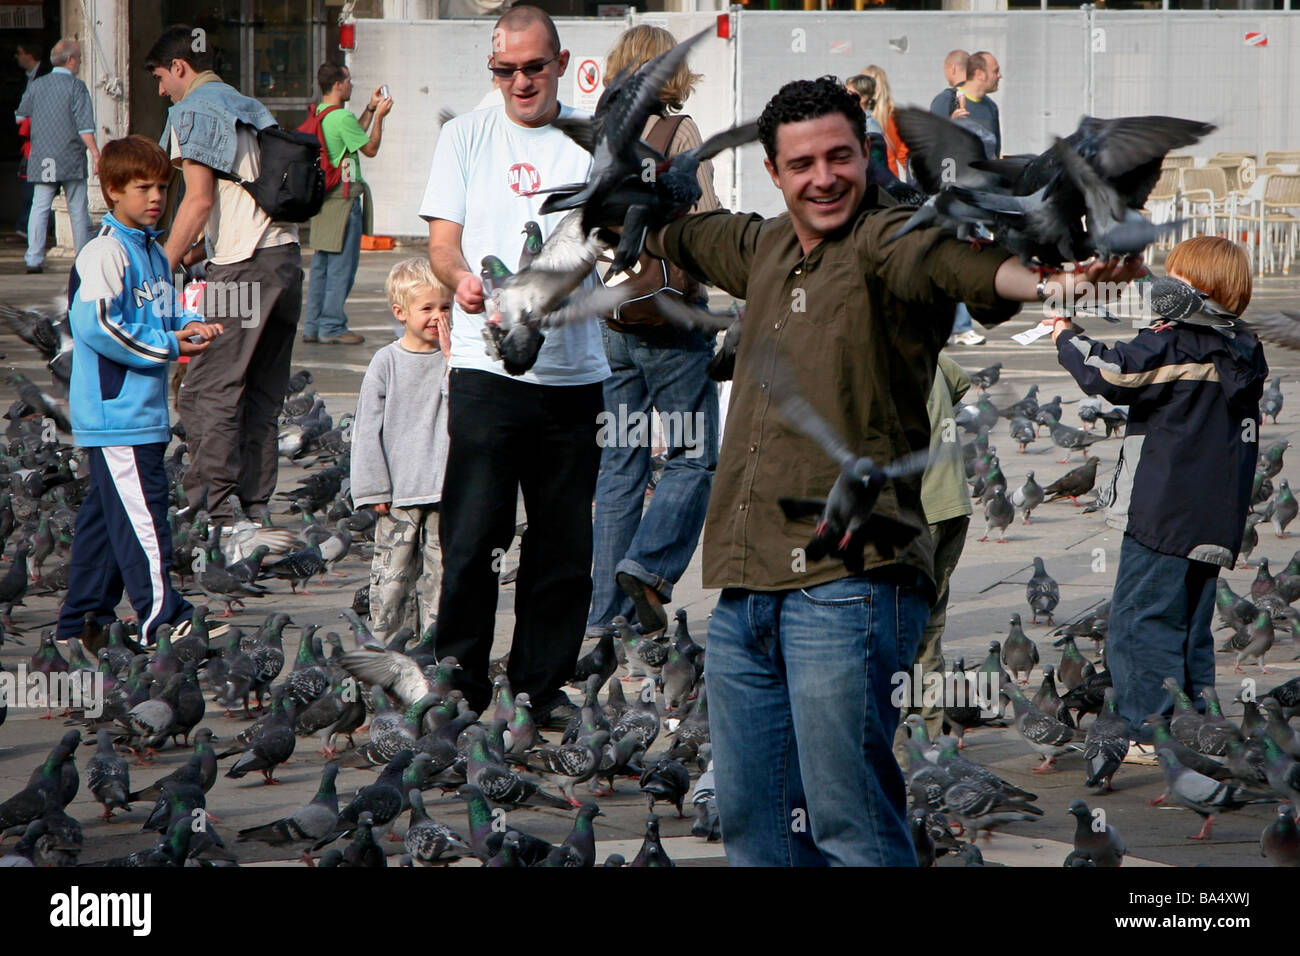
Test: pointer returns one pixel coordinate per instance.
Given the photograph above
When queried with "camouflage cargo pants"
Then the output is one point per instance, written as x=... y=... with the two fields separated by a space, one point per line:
x=406 y=573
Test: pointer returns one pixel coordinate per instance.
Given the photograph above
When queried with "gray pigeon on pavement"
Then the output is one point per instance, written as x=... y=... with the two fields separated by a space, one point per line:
x=999 y=512
x=1042 y=592
x=308 y=824
x=1105 y=746
x=1028 y=496
x=1019 y=653
x=1203 y=795
x=1045 y=735
x=1280 y=841
x=1102 y=843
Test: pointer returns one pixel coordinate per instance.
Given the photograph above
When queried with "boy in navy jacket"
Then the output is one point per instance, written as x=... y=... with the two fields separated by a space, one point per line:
x=1181 y=488
x=128 y=325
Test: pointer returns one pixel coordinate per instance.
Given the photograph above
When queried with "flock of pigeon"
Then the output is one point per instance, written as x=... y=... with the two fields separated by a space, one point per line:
x=421 y=737
x=453 y=779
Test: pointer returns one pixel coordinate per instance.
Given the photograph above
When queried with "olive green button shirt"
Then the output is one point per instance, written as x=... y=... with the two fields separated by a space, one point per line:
x=858 y=323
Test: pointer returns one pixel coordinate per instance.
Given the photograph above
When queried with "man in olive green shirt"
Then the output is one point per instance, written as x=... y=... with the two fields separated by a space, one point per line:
x=947 y=512
x=803 y=654
x=336 y=230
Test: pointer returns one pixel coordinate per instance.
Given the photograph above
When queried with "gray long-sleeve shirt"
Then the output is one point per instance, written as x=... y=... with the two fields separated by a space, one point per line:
x=399 y=437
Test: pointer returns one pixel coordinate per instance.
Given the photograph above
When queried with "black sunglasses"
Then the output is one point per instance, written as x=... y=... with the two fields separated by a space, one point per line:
x=530 y=70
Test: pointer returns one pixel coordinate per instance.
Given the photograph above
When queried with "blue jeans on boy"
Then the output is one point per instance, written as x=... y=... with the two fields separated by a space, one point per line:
x=38 y=220
x=665 y=370
x=802 y=721
x=1160 y=626
x=332 y=275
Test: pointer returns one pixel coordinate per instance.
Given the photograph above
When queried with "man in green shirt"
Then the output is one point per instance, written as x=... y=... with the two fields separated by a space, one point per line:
x=803 y=654
x=336 y=230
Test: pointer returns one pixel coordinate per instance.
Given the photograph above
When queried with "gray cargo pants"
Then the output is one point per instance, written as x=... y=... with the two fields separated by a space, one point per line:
x=232 y=394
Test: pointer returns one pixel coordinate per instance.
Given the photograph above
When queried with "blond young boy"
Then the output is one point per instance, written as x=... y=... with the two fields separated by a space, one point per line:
x=399 y=450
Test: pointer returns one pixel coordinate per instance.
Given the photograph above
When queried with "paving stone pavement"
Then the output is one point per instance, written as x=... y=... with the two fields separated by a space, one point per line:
x=988 y=586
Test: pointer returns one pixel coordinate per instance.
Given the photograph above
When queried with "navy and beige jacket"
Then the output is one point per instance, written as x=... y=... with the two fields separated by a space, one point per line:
x=1182 y=484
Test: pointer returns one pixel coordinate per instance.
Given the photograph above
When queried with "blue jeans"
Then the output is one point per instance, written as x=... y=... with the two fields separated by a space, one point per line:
x=665 y=371
x=962 y=322
x=38 y=220
x=802 y=722
x=1160 y=626
x=332 y=275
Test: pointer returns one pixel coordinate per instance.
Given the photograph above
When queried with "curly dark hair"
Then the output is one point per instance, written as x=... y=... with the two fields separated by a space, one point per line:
x=802 y=100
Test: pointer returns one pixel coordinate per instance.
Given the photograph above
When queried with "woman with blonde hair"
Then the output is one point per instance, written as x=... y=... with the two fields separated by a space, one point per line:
x=640 y=557
x=883 y=111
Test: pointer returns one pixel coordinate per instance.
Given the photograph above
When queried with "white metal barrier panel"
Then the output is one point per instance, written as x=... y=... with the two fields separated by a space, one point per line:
x=1232 y=68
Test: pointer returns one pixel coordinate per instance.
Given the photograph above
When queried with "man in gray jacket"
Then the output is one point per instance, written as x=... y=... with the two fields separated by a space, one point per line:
x=232 y=394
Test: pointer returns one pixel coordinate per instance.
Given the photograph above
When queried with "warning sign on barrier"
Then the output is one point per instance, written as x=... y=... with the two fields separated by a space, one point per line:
x=586 y=82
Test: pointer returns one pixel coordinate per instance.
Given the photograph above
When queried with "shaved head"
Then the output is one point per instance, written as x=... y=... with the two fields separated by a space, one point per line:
x=518 y=19
x=954 y=67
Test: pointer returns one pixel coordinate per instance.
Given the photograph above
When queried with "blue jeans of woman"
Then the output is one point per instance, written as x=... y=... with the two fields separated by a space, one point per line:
x=664 y=370
x=802 y=722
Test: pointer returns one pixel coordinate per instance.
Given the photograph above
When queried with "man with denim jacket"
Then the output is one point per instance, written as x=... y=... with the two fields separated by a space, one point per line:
x=231 y=396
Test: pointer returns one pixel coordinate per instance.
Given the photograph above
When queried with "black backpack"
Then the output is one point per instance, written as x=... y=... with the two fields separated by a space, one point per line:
x=291 y=185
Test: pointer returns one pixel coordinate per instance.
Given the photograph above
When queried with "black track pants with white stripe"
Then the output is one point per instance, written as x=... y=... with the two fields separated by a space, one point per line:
x=123 y=539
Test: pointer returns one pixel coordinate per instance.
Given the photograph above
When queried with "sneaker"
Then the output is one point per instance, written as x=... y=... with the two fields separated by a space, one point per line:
x=555 y=711
x=969 y=337
x=347 y=338
x=309 y=339
x=259 y=513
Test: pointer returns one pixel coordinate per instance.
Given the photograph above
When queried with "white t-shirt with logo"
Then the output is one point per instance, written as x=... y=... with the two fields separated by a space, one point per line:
x=483 y=165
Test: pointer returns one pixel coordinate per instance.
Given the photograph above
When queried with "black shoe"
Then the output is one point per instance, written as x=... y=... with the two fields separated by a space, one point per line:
x=555 y=712
x=649 y=615
x=35 y=270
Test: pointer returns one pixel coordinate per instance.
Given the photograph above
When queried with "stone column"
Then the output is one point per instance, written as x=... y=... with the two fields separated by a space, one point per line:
x=105 y=51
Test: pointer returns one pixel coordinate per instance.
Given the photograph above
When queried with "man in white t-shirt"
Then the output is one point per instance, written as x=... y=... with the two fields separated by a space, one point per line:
x=537 y=431
x=232 y=394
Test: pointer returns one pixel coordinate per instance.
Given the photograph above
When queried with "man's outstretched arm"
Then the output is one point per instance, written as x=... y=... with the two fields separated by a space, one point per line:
x=449 y=265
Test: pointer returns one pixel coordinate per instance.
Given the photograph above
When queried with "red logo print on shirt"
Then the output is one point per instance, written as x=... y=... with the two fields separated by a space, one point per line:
x=524 y=179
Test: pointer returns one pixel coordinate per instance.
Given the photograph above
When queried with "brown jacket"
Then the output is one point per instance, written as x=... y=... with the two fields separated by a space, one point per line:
x=859 y=323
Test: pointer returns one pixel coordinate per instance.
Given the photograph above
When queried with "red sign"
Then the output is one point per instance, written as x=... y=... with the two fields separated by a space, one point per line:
x=1256 y=39
x=588 y=75
x=524 y=179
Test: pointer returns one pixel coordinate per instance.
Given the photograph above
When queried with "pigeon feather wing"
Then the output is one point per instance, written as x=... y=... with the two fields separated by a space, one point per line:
x=393 y=671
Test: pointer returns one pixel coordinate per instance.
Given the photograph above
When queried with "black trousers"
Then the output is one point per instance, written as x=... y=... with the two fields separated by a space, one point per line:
x=506 y=436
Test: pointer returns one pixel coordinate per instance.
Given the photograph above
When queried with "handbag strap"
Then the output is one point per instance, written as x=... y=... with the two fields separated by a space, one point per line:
x=661 y=135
